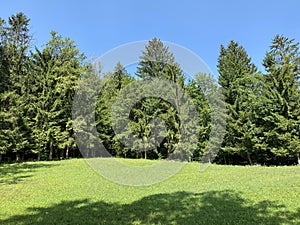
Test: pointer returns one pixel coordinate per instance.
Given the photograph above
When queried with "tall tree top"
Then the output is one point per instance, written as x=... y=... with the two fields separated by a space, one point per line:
x=282 y=51
x=157 y=51
x=234 y=61
x=16 y=33
x=157 y=61
x=282 y=63
x=234 y=65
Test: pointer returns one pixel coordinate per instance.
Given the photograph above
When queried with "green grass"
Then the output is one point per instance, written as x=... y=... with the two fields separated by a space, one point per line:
x=139 y=162
x=70 y=192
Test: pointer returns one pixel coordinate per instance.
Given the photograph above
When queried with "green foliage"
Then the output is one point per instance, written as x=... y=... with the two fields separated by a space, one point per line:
x=157 y=62
x=281 y=87
x=38 y=86
x=83 y=113
x=112 y=84
x=14 y=44
x=37 y=91
x=56 y=71
x=263 y=119
x=198 y=90
x=237 y=80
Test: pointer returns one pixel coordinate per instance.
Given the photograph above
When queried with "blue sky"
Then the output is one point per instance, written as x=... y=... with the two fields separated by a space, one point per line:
x=201 y=26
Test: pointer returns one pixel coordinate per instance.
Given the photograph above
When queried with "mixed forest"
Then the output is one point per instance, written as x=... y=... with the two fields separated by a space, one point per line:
x=38 y=84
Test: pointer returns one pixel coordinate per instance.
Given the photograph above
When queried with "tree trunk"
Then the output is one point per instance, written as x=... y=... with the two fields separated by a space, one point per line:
x=39 y=156
x=0 y=158
x=51 y=151
x=67 y=152
x=146 y=154
x=249 y=158
x=18 y=158
x=298 y=158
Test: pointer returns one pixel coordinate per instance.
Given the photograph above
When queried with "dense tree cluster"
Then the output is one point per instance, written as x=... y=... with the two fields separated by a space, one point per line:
x=37 y=88
x=263 y=108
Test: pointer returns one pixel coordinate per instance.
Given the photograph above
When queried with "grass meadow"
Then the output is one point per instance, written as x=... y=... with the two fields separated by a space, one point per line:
x=70 y=192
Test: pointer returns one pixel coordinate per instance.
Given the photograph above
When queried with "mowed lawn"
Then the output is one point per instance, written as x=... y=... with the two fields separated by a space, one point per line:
x=70 y=192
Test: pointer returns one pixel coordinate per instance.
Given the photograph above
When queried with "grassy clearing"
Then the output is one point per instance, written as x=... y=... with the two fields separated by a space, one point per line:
x=70 y=192
x=139 y=162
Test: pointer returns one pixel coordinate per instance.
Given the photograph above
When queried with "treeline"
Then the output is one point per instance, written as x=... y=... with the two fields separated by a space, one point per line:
x=37 y=89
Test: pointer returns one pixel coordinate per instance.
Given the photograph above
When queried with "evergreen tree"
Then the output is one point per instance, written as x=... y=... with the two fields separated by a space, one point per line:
x=83 y=114
x=236 y=74
x=15 y=42
x=157 y=62
x=55 y=73
x=196 y=92
x=114 y=82
x=281 y=92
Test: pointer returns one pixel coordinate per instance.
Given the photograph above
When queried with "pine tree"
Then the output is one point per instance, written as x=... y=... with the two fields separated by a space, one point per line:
x=157 y=62
x=236 y=78
x=83 y=114
x=281 y=91
x=198 y=90
x=15 y=43
x=55 y=73
x=114 y=82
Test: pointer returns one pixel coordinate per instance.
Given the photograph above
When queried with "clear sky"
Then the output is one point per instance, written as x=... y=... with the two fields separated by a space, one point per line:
x=201 y=26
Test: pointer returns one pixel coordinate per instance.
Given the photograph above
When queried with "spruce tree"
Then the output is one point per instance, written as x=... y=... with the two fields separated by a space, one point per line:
x=114 y=82
x=236 y=74
x=281 y=92
x=157 y=61
x=55 y=74
x=14 y=46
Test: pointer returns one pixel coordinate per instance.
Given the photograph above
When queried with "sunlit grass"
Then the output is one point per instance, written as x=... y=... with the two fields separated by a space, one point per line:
x=137 y=162
x=70 y=192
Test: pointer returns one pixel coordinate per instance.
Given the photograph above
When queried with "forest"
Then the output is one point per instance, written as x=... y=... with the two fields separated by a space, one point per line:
x=37 y=88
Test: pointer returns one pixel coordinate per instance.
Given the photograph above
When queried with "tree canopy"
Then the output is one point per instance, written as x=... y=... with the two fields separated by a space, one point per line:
x=37 y=88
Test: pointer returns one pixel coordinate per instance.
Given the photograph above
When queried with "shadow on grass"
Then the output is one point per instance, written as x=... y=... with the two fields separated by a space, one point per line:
x=16 y=172
x=214 y=207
